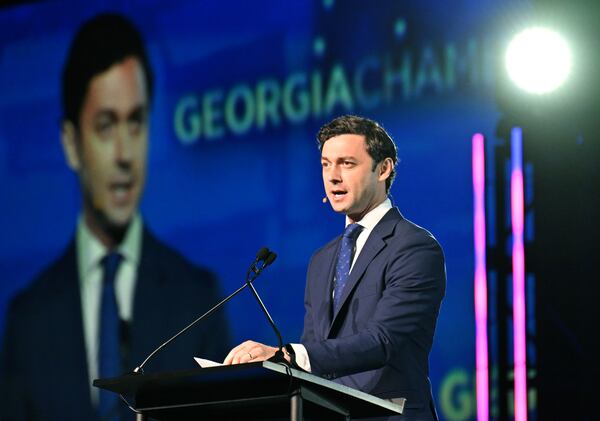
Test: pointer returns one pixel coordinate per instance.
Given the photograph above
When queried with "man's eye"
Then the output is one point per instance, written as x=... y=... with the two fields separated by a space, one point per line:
x=134 y=126
x=324 y=164
x=136 y=123
x=348 y=163
x=104 y=127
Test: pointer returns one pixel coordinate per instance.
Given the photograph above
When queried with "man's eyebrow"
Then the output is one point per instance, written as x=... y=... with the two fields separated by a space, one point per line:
x=339 y=158
x=106 y=112
x=346 y=158
x=138 y=111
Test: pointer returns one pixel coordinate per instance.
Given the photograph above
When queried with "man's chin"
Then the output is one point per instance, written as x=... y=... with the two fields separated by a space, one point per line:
x=339 y=208
x=116 y=223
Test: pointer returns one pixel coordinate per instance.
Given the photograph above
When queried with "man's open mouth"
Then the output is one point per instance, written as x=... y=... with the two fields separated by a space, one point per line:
x=121 y=189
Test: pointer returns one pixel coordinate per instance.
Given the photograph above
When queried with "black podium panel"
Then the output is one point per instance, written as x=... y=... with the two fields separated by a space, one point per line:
x=254 y=391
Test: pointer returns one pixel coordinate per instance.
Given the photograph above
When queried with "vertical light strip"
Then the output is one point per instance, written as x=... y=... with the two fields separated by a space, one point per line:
x=518 y=264
x=481 y=337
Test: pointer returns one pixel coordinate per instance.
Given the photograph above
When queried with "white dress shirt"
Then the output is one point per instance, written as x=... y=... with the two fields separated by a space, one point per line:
x=368 y=222
x=90 y=252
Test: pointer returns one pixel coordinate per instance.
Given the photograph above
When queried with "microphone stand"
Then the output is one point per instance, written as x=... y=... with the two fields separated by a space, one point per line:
x=279 y=356
x=262 y=255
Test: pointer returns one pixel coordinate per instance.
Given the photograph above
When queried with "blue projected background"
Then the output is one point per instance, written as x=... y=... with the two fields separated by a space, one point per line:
x=241 y=90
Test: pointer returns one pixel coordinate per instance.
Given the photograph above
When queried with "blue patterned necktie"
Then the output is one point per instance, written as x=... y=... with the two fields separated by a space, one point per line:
x=109 y=356
x=344 y=261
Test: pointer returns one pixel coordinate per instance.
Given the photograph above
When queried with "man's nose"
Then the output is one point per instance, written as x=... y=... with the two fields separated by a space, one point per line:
x=123 y=145
x=335 y=175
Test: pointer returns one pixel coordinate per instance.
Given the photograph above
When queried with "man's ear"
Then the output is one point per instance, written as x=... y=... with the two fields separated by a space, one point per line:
x=385 y=168
x=68 y=138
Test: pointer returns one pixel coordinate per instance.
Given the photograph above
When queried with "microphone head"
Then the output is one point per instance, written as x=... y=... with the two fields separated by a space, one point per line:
x=270 y=258
x=262 y=254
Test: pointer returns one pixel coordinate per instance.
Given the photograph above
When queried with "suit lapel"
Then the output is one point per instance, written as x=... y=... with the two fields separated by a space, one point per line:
x=148 y=310
x=324 y=286
x=68 y=353
x=373 y=246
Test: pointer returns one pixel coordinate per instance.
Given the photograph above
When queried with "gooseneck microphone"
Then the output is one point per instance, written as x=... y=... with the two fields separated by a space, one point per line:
x=264 y=258
x=278 y=357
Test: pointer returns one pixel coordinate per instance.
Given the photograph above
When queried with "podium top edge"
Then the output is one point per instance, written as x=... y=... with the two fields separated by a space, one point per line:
x=130 y=382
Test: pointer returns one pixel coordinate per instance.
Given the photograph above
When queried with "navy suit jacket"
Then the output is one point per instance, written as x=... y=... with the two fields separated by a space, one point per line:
x=380 y=338
x=44 y=373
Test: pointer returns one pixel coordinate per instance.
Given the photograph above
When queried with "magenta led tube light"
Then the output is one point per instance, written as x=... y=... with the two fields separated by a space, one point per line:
x=518 y=267
x=481 y=339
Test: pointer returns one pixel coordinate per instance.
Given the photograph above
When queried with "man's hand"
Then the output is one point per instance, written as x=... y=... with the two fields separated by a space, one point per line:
x=249 y=352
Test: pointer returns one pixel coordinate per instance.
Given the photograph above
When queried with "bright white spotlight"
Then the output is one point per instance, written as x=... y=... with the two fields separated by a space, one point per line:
x=538 y=60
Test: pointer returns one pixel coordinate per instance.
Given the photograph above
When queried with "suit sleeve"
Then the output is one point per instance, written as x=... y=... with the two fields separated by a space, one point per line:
x=308 y=333
x=414 y=282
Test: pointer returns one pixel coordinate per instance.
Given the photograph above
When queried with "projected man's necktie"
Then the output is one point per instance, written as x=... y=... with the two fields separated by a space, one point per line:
x=109 y=358
x=345 y=255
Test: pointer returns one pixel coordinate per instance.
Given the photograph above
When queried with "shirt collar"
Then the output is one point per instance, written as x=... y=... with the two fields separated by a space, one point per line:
x=373 y=217
x=91 y=250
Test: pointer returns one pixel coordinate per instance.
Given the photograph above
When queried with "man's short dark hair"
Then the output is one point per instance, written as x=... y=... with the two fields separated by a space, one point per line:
x=379 y=144
x=101 y=42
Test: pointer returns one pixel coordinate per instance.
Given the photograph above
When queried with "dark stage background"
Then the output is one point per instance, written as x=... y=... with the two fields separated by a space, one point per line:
x=241 y=89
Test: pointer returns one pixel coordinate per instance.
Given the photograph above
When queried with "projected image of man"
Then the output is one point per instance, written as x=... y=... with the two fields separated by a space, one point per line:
x=117 y=291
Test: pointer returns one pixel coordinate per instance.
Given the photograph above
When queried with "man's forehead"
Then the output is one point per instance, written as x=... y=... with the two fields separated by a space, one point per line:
x=122 y=83
x=345 y=144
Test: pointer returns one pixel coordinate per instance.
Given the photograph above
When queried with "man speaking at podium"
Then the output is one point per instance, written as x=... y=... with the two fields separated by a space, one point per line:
x=117 y=291
x=372 y=294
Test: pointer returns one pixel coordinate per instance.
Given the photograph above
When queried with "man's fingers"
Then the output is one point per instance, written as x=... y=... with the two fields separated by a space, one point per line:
x=249 y=351
x=236 y=355
x=229 y=358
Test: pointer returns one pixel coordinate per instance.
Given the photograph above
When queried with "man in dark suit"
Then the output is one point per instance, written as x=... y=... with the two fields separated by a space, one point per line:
x=373 y=294
x=117 y=292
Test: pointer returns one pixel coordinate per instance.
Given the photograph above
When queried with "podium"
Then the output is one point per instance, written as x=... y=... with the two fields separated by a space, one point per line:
x=254 y=391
